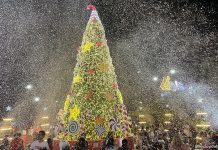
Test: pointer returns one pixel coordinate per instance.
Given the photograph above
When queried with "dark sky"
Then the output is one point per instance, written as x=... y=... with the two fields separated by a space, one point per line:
x=39 y=41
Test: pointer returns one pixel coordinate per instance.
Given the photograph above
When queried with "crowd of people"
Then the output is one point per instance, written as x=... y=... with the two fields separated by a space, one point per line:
x=148 y=138
x=40 y=144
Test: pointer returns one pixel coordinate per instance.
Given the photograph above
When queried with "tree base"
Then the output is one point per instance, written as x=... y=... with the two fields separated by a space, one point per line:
x=97 y=145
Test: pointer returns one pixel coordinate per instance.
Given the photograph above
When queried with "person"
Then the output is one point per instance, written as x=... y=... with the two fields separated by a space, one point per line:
x=108 y=137
x=63 y=145
x=177 y=143
x=40 y=143
x=110 y=145
x=83 y=135
x=50 y=143
x=81 y=144
x=5 y=142
x=124 y=145
x=145 y=138
x=16 y=143
x=166 y=141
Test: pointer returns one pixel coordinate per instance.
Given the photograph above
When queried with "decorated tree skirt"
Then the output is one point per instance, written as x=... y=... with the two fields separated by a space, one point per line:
x=97 y=145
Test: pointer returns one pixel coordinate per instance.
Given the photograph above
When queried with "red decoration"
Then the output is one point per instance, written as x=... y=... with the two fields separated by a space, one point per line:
x=115 y=86
x=90 y=71
x=91 y=7
x=98 y=43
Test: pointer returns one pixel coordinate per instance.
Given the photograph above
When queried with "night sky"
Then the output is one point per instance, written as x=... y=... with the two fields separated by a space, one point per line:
x=39 y=41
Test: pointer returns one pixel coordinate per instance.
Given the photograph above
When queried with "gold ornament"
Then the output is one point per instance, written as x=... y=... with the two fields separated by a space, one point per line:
x=104 y=67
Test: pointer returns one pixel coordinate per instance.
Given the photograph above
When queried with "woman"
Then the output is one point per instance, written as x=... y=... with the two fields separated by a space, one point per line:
x=177 y=144
x=124 y=145
x=81 y=144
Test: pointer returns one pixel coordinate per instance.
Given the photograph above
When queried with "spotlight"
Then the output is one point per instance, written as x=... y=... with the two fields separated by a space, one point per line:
x=172 y=71
x=29 y=87
x=36 y=99
x=155 y=78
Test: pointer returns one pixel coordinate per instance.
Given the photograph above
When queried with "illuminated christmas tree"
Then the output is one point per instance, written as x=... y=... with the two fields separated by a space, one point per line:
x=95 y=103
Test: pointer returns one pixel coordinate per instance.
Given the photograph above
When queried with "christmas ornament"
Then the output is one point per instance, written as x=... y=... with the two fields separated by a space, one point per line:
x=90 y=71
x=114 y=124
x=165 y=84
x=99 y=43
x=87 y=47
x=74 y=113
x=73 y=127
x=100 y=130
x=8 y=108
x=99 y=120
x=89 y=95
x=103 y=67
x=77 y=79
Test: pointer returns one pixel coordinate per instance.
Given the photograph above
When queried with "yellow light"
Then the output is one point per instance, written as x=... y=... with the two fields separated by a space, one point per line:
x=141 y=115
x=168 y=115
x=1 y=139
x=167 y=122
x=45 y=117
x=141 y=129
x=165 y=130
x=47 y=132
x=202 y=125
x=44 y=125
x=7 y=119
x=142 y=122
x=202 y=113
x=198 y=138
x=5 y=129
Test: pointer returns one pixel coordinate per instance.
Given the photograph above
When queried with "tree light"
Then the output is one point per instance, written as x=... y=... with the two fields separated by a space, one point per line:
x=29 y=87
x=36 y=99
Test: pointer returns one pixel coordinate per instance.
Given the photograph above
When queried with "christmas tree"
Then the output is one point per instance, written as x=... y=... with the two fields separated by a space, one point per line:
x=95 y=103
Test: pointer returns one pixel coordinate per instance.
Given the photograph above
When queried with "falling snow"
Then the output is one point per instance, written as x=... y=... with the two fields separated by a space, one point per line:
x=147 y=39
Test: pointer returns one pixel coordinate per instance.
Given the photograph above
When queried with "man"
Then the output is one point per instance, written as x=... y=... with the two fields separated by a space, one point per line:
x=40 y=143
x=16 y=143
x=5 y=142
